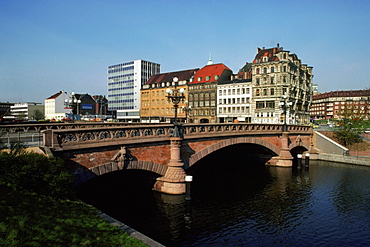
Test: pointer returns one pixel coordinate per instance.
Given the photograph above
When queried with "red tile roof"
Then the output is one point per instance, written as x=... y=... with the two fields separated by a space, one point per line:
x=168 y=77
x=209 y=72
x=55 y=95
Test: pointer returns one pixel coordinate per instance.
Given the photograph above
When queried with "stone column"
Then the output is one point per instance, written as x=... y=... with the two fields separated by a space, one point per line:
x=285 y=159
x=173 y=182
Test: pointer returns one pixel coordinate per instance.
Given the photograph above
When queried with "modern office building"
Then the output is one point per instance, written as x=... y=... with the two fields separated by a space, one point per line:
x=341 y=105
x=124 y=84
x=282 y=87
x=27 y=111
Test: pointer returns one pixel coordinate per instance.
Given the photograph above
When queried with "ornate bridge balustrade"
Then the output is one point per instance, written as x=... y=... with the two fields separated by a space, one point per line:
x=158 y=148
x=69 y=139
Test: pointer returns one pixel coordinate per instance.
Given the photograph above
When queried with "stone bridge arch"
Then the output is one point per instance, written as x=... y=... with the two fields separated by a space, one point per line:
x=250 y=140
x=87 y=174
x=299 y=143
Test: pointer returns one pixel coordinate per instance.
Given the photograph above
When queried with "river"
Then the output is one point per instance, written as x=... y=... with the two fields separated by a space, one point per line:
x=244 y=205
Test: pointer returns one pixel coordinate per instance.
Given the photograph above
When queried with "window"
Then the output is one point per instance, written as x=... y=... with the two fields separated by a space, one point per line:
x=257 y=70
x=257 y=92
x=272 y=69
x=264 y=91
x=272 y=91
x=272 y=80
x=265 y=70
x=207 y=78
x=216 y=77
x=199 y=78
x=257 y=81
x=260 y=104
x=270 y=104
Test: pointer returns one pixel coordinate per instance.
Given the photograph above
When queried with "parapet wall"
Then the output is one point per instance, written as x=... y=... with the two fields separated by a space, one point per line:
x=327 y=145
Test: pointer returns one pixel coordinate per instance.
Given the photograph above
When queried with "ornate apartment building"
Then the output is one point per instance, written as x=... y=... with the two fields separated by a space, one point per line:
x=341 y=105
x=279 y=79
x=155 y=107
x=202 y=97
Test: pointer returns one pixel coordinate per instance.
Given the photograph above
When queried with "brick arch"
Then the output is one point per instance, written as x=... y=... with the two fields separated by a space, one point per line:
x=87 y=174
x=299 y=144
x=203 y=153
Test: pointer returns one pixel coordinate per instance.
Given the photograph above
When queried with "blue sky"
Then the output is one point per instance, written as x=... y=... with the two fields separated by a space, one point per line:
x=47 y=46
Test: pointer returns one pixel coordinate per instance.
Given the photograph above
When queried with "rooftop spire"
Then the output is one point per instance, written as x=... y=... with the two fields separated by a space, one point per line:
x=210 y=62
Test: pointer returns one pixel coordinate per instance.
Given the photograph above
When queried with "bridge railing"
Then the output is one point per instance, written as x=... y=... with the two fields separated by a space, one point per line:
x=68 y=139
x=39 y=126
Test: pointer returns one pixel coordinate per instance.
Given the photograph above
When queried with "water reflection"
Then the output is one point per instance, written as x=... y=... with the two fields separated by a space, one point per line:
x=246 y=205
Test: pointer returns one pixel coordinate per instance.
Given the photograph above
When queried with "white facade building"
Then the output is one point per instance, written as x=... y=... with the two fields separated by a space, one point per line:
x=55 y=106
x=27 y=111
x=124 y=83
x=234 y=101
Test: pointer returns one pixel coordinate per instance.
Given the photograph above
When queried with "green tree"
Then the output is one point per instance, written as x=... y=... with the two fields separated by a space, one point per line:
x=349 y=130
x=37 y=115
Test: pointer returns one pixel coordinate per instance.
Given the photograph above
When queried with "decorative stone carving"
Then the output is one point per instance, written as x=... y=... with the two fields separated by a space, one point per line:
x=122 y=158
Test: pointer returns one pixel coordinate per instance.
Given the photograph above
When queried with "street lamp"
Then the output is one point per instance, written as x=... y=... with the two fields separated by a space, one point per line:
x=175 y=96
x=285 y=104
x=72 y=102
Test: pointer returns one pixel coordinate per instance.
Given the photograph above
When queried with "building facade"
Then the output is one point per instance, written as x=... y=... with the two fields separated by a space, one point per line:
x=281 y=85
x=202 y=98
x=341 y=105
x=234 y=101
x=27 y=111
x=155 y=107
x=124 y=84
x=55 y=106
x=73 y=106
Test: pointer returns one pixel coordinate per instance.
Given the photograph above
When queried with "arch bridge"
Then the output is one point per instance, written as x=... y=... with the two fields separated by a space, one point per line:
x=166 y=149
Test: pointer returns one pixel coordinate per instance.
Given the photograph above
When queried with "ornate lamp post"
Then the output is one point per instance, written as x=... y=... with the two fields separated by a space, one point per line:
x=73 y=102
x=173 y=182
x=285 y=104
x=175 y=96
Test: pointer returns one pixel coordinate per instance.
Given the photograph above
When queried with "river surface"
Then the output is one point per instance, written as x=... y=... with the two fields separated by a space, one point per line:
x=244 y=205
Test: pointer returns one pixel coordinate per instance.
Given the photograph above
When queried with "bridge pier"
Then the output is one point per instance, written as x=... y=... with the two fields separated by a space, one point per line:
x=173 y=182
x=285 y=159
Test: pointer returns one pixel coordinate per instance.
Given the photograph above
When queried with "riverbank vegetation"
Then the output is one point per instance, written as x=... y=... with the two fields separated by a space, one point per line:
x=38 y=207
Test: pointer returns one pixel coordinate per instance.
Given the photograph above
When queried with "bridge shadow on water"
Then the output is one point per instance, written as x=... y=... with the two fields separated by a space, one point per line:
x=230 y=172
x=225 y=179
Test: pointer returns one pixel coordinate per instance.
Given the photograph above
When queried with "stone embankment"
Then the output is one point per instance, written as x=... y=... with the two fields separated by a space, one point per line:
x=354 y=157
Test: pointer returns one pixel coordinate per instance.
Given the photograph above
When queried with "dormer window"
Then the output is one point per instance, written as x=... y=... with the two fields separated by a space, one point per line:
x=216 y=77
x=199 y=78
x=208 y=77
x=265 y=59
